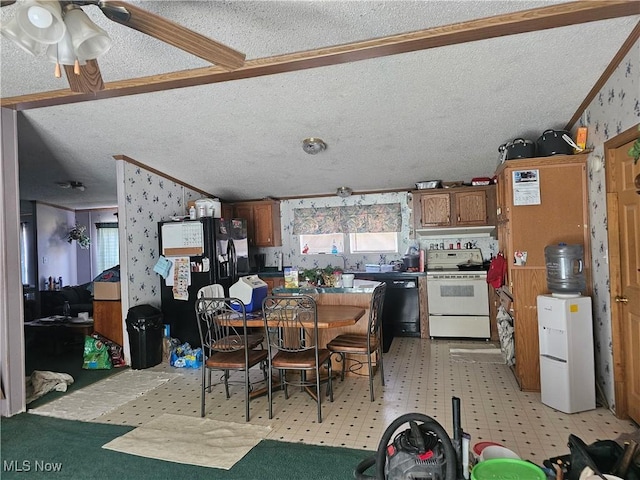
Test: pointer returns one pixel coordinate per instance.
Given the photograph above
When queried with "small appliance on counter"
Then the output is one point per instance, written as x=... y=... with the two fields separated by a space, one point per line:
x=250 y=290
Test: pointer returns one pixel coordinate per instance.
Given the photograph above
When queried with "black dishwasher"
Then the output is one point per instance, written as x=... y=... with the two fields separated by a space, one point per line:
x=401 y=312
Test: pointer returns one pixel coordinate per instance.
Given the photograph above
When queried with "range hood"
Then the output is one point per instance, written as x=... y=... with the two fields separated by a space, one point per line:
x=455 y=232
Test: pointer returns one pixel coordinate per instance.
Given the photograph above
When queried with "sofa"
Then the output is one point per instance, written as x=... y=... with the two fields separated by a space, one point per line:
x=79 y=297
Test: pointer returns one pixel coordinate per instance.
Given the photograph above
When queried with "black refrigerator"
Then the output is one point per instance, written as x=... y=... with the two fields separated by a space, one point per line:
x=208 y=245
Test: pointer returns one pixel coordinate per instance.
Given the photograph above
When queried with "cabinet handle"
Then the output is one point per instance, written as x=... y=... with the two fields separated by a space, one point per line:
x=620 y=299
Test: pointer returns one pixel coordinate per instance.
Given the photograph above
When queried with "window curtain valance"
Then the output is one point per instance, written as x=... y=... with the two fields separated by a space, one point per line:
x=386 y=217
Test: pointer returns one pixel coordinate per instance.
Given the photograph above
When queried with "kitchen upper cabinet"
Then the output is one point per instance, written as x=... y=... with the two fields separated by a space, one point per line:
x=227 y=211
x=263 y=222
x=541 y=201
x=454 y=207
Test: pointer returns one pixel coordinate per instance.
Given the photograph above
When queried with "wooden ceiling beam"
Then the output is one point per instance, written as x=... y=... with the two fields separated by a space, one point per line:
x=553 y=16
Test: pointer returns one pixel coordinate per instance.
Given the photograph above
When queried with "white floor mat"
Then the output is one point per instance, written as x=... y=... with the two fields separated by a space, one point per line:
x=191 y=440
x=104 y=396
x=487 y=353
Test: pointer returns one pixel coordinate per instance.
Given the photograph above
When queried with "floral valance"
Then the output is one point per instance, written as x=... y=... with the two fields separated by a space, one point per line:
x=384 y=217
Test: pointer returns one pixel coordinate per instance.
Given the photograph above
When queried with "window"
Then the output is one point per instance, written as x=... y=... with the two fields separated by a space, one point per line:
x=107 y=246
x=381 y=242
x=24 y=253
x=322 y=243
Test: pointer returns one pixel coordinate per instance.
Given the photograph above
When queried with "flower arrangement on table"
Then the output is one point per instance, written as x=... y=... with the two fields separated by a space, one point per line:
x=78 y=234
x=326 y=276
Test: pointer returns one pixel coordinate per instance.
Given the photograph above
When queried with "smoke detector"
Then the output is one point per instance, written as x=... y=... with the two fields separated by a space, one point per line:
x=313 y=145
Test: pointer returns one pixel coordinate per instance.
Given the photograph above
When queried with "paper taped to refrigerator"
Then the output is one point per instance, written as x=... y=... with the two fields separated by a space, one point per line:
x=169 y=280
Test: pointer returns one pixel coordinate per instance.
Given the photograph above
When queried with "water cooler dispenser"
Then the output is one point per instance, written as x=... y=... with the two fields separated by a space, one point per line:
x=565 y=328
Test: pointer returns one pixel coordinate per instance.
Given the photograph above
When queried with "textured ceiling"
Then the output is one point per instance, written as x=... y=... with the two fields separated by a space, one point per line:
x=388 y=122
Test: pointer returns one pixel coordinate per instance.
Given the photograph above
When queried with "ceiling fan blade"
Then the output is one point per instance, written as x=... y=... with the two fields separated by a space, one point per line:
x=173 y=34
x=5 y=3
x=89 y=80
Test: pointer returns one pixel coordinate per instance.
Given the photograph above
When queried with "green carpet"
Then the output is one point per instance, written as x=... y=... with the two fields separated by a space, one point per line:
x=75 y=448
x=39 y=357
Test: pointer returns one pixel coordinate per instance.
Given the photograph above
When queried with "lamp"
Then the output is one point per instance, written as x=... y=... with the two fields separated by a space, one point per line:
x=344 y=192
x=313 y=145
x=88 y=39
x=72 y=37
x=63 y=52
x=12 y=31
x=42 y=21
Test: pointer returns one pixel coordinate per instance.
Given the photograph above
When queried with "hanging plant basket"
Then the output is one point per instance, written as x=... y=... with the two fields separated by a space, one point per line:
x=78 y=234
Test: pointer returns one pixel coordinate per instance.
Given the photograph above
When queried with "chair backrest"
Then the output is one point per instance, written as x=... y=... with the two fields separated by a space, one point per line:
x=215 y=317
x=291 y=322
x=375 y=309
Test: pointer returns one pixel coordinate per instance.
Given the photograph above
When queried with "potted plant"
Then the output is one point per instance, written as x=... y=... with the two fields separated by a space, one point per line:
x=321 y=276
x=78 y=234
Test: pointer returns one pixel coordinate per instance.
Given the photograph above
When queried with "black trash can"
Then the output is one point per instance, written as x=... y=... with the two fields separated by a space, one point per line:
x=145 y=329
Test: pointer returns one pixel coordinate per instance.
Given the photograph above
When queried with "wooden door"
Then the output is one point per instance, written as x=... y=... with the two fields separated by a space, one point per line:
x=471 y=208
x=435 y=209
x=623 y=209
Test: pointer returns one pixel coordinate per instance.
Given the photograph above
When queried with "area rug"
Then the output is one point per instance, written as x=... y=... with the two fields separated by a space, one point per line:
x=475 y=353
x=191 y=440
x=105 y=396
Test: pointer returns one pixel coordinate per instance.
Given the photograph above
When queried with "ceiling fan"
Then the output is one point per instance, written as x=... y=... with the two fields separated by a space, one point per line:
x=66 y=29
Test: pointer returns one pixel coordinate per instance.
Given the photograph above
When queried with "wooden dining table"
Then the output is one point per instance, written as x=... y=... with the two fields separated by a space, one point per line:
x=329 y=316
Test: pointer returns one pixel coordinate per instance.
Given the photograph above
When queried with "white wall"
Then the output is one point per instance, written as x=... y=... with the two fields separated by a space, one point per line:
x=87 y=258
x=56 y=256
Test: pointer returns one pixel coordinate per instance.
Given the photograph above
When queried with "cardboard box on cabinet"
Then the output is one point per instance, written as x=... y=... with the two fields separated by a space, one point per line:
x=106 y=290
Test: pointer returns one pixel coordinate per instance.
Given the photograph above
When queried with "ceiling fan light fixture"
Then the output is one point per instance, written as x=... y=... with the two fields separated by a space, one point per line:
x=89 y=40
x=63 y=52
x=313 y=145
x=41 y=21
x=13 y=32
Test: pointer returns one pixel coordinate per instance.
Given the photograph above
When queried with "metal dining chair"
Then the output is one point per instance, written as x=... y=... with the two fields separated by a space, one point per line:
x=369 y=344
x=291 y=329
x=225 y=347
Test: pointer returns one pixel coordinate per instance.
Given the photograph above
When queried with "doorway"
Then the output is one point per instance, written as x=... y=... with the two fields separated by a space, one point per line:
x=623 y=217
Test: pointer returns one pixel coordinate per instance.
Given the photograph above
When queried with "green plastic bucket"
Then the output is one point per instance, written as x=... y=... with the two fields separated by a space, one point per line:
x=507 y=469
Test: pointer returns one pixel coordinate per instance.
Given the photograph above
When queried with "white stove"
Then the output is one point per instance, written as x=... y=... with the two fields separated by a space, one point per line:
x=458 y=297
x=447 y=262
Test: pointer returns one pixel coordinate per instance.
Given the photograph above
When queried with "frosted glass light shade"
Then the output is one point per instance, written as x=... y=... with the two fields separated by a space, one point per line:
x=63 y=52
x=41 y=21
x=12 y=31
x=89 y=41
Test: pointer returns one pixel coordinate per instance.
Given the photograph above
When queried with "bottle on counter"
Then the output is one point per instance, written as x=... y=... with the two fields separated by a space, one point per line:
x=59 y=283
x=51 y=286
x=66 y=309
x=192 y=213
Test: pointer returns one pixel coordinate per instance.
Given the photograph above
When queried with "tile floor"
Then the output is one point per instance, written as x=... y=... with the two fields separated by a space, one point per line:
x=420 y=377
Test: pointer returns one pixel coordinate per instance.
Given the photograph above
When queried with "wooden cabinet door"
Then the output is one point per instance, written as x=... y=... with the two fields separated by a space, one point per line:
x=263 y=225
x=107 y=319
x=273 y=282
x=246 y=212
x=227 y=211
x=471 y=208
x=435 y=209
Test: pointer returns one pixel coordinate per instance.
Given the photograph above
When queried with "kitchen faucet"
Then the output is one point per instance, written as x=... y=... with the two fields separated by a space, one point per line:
x=344 y=262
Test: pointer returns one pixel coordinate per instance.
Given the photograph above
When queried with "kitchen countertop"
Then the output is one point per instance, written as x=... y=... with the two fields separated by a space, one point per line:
x=364 y=288
x=374 y=275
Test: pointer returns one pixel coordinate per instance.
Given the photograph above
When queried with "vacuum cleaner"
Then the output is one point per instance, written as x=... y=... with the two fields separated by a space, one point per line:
x=423 y=451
